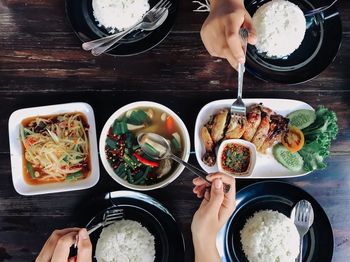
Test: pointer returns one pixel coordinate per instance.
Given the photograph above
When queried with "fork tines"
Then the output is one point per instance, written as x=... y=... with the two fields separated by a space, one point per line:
x=160 y=4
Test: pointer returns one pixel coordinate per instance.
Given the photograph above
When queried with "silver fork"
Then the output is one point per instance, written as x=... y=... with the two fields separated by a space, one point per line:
x=109 y=217
x=238 y=107
x=319 y=9
x=303 y=217
x=101 y=41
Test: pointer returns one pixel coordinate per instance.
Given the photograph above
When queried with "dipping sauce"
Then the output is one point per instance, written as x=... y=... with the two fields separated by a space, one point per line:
x=235 y=158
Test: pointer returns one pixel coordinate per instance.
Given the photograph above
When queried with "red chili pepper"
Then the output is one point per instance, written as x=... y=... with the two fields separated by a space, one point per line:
x=146 y=161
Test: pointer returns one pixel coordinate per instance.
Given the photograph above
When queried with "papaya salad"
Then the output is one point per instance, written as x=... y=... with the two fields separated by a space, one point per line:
x=125 y=155
x=55 y=148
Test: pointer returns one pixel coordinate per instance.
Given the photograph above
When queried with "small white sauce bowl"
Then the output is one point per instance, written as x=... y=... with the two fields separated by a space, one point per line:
x=252 y=151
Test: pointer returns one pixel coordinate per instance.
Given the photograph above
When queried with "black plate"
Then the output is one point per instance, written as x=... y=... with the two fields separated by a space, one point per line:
x=318 y=49
x=169 y=243
x=279 y=196
x=80 y=16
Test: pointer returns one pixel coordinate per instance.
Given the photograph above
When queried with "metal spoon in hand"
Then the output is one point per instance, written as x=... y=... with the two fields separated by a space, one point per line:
x=163 y=150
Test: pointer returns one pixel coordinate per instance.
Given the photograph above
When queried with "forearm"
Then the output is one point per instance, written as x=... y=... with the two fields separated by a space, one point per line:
x=212 y=2
x=206 y=251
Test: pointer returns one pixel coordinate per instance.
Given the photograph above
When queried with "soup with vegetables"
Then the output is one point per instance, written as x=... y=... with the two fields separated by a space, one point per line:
x=125 y=155
x=55 y=148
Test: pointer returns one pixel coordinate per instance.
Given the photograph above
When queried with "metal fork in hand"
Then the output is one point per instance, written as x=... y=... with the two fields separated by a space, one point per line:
x=303 y=217
x=238 y=107
x=109 y=217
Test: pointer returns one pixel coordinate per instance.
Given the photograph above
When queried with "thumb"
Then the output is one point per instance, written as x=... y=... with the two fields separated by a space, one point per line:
x=84 y=247
x=216 y=195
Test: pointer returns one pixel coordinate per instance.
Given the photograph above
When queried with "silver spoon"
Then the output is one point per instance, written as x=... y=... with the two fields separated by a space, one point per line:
x=303 y=216
x=151 y=22
x=163 y=151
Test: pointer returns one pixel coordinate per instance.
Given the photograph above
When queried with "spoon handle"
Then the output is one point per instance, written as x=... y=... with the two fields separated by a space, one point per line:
x=197 y=171
x=190 y=167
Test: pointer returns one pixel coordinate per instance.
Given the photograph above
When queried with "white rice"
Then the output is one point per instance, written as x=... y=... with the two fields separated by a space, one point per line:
x=280 y=27
x=125 y=241
x=119 y=14
x=270 y=236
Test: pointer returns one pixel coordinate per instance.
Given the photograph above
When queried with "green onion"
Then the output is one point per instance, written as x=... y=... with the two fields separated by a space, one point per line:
x=120 y=169
x=176 y=144
x=74 y=176
x=141 y=180
x=111 y=143
x=137 y=117
x=119 y=127
x=151 y=149
x=130 y=178
x=30 y=170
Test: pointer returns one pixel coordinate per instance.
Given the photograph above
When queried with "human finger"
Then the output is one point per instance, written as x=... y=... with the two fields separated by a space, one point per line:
x=72 y=259
x=230 y=58
x=46 y=253
x=233 y=38
x=200 y=190
x=198 y=181
x=62 y=249
x=248 y=24
x=84 y=247
x=216 y=196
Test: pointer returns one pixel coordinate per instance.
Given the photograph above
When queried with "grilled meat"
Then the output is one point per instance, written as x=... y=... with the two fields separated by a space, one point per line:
x=235 y=127
x=253 y=122
x=217 y=131
x=278 y=126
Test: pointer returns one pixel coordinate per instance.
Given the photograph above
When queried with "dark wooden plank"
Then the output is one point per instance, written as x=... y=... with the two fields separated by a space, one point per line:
x=38 y=51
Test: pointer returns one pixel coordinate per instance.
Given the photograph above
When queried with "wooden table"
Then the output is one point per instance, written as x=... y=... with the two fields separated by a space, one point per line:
x=42 y=63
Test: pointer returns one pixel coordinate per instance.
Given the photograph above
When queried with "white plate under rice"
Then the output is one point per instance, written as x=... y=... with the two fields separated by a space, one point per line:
x=125 y=241
x=119 y=14
x=280 y=27
x=270 y=236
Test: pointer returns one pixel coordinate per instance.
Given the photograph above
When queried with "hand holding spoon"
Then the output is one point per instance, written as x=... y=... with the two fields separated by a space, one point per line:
x=159 y=148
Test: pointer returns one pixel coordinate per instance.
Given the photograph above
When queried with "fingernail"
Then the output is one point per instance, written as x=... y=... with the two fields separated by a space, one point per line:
x=218 y=183
x=84 y=234
x=241 y=60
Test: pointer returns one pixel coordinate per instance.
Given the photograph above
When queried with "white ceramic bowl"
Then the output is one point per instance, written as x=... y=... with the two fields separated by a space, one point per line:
x=16 y=149
x=252 y=151
x=122 y=111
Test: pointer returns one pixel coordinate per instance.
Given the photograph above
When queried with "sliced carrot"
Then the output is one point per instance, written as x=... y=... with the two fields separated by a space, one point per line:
x=170 y=125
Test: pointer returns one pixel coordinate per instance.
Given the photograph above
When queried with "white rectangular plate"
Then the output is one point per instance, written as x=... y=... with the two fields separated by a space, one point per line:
x=16 y=149
x=266 y=165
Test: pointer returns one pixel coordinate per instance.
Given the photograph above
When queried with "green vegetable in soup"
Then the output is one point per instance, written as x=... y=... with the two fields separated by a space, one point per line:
x=30 y=170
x=119 y=127
x=137 y=117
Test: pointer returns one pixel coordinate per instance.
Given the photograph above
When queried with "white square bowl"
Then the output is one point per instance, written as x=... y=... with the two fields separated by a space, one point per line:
x=15 y=120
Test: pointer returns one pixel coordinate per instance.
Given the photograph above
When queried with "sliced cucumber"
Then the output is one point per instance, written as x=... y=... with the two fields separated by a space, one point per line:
x=301 y=118
x=292 y=161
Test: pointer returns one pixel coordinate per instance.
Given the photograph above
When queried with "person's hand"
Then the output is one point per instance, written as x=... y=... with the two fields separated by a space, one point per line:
x=214 y=211
x=57 y=247
x=220 y=31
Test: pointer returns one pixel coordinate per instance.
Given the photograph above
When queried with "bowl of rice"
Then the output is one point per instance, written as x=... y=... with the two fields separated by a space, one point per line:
x=147 y=231
x=93 y=19
x=290 y=47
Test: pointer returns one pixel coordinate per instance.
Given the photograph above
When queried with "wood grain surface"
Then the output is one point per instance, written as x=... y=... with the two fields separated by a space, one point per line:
x=42 y=63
